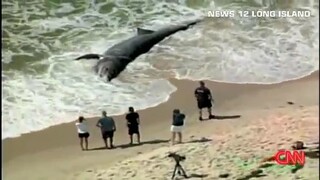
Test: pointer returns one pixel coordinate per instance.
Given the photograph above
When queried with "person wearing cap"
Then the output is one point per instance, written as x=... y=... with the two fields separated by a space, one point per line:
x=204 y=99
x=133 y=122
x=83 y=132
x=177 y=125
x=108 y=127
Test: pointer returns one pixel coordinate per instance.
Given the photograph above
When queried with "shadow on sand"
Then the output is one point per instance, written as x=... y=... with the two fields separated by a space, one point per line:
x=157 y=141
x=223 y=117
x=197 y=176
x=124 y=146
x=202 y=140
x=253 y=174
x=314 y=154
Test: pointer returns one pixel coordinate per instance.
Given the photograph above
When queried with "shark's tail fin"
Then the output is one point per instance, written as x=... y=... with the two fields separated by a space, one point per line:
x=89 y=56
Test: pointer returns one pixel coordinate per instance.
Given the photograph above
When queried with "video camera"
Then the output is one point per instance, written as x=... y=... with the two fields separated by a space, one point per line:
x=177 y=157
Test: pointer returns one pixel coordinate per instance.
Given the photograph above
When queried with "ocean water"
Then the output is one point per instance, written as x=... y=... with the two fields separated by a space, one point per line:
x=43 y=86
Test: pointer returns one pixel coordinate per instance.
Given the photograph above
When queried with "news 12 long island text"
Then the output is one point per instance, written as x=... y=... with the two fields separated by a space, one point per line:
x=258 y=14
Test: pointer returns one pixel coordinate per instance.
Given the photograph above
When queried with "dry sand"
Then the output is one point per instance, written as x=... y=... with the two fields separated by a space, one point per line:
x=236 y=154
x=234 y=146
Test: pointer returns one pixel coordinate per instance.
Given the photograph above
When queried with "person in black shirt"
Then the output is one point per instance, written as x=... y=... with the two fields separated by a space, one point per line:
x=204 y=98
x=133 y=122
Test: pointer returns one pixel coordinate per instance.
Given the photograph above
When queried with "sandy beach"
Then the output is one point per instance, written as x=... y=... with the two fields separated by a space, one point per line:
x=272 y=117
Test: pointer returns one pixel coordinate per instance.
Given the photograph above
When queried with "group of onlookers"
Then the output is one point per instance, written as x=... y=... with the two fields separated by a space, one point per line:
x=108 y=126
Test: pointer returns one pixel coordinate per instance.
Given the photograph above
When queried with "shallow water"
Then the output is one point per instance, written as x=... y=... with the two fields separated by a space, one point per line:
x=43 y=86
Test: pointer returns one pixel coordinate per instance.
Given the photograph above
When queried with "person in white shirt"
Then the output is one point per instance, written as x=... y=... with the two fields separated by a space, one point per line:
x=177 y=125
x=83 y=132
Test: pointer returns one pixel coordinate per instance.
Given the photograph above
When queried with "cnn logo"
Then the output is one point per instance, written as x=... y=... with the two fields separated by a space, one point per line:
x=285 y=157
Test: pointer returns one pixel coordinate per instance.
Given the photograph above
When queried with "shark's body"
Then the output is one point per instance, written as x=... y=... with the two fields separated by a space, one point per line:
x=116 y=58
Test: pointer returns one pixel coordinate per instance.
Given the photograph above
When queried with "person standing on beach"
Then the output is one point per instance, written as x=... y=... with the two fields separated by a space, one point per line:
x=204 y=98
x=83 y=132
x=108 y=127
x=177 y=126
x=133 y=123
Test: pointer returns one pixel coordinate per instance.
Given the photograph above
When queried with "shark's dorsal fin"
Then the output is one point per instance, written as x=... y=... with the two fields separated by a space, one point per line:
x=141 y=31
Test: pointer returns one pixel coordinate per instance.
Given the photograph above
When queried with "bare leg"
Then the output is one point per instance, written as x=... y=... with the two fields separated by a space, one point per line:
x=131 y=140
x=111 y=142
x=86 y=143
x=210 y=113
x=173 y=137
x=200 y=114
x=179 y=137
x=81 y=143
x=105 y=142
x=138 y=138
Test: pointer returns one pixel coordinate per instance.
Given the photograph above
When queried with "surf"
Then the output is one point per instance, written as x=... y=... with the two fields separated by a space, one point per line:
x=41 y=80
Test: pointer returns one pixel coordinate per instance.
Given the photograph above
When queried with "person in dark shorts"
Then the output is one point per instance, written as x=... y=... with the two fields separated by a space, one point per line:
x=204 y=99
x=133 y=122
x=83 y=132
x=108 y=127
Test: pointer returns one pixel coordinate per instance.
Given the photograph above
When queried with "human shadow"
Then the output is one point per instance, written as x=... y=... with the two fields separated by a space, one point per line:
x=202 y=140
x=266 y=165
x=296 y=169
x=124 y=146
x=223 y=117
x=314 y=154
x=97 y=148
x=253 y=174
x=157 y=141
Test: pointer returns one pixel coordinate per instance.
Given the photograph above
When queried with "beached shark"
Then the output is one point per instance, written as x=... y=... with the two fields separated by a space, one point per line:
x=115 y=59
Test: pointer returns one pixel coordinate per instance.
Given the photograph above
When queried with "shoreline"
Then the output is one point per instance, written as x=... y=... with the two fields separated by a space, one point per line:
x=56 y=146
x=89 y=117
x=171 y=81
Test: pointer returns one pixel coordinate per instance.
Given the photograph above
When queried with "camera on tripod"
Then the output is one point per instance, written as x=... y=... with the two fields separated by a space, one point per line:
x=177 y=157
x=178 y=168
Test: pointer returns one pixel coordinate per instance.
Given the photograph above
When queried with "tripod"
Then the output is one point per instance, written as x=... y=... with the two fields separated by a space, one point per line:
x=180 y=170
